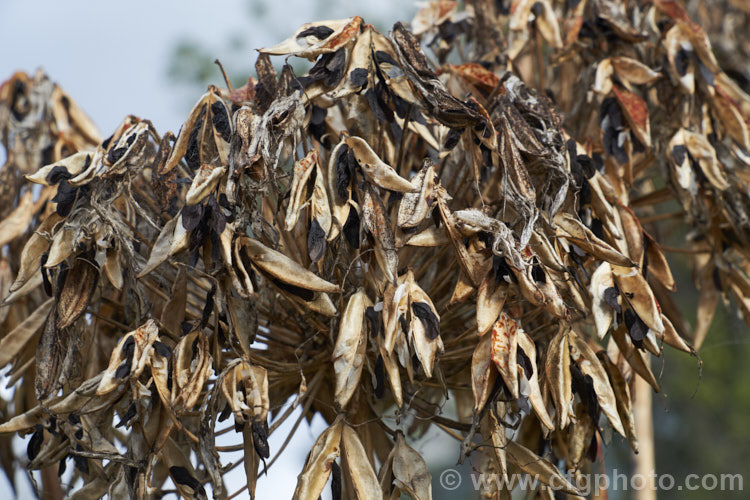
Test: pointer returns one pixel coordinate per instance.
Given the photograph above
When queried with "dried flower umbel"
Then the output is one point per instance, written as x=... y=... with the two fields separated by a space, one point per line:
x=366 y=241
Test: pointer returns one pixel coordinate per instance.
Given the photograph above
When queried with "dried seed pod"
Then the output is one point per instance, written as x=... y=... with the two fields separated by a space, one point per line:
x=317 y=468
x=129 y=358
x=77 y=290
x=349 y=351
x=283 y=268
x=406 y=471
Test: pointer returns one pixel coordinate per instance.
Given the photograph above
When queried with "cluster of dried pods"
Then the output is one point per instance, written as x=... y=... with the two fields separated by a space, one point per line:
x=365 y=242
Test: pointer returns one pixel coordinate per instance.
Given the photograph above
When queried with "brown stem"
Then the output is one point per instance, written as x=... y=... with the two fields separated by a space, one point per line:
x=51 y=488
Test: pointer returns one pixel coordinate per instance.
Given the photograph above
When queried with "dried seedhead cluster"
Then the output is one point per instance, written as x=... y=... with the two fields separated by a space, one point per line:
x=479 y=223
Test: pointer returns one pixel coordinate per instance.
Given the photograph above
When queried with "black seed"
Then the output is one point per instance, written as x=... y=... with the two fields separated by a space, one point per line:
x=45 y=279
x=587 y=165
x=208 y=307
x=303 y=293
x=502 y=270
x=123 y=370
x=384 y=57
x=379 y=377
x=128 y=416
x=61 y=466
x=220 y=119
x=336 y=67
x=538 y=274
x=59 y=173
x=128 y=348
x=452 y=139
x=343 y=172
x=636 y=327
x=584 y=195
x=81 y=463
x=404 y=325
x=191 y=216
x=319 y=32
x=431 y=324
x=374 y=318
x=35 y=443
x=351 y=228
x=225 y=412
x=681 y=61
x=260 y=438
x=593 y=448
x=610 y=297
x=162 y=350
x=583 y=385
x=193 y=154
x=335 y=481
x=523 y=360
x=182 y=476
x=597 y=228
x=115 y=154
x=377 y=109
x=65 y=198
x=318 y=115
x=358 y=77
x=186 y=327
x=316 y=241
x=678 y=154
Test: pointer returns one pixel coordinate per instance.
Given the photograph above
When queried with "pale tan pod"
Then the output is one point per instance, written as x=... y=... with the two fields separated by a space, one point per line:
x=376 y=170
x=302 y=170
x=395 y=305
x=13 y=341
x=61 y=247
x=634 y=71
x=17 y=222
x=181 y=144
x=635 y=288
x=325 y=450
x=539 y=468
x=574 y=231
x=74 y=164
x=414 y=207
x=283 y=268
x=162 y=246
x=490 y=300
x=206 y=180
x=143 y=340
x=622 y=395
x=590 y=365
x=535 y=395
x=482 y=373
x=361 y=472
x=557 y=370
x=429 y=237
x=601 y=280
x=633 y=356
x=504 y=346
x=310 y=46
x=349 y=350
x=410 y=472
x=375 y=219
x=672 y=338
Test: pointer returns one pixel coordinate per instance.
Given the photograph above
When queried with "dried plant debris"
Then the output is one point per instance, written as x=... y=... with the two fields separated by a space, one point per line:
x=370 y=239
